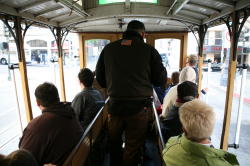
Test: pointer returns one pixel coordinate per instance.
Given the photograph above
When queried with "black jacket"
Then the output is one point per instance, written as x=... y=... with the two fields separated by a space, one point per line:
x=171 y=126
x=52 y=136
x=86 y=105
x=128 y=68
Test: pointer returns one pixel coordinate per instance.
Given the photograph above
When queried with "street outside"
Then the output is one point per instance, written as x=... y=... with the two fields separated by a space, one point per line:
x=9 y=122
x=216 y=97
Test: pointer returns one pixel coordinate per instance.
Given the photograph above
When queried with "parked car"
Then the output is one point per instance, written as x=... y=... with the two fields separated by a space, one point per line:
x=216 y=67
x=13 y=59
x=3 y=59
x=205 y=67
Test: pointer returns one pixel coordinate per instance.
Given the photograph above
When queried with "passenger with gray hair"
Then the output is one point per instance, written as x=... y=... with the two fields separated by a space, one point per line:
x=192 y=62
x=194 y=148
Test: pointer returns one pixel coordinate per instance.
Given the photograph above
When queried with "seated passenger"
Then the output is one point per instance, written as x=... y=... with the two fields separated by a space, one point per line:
x=88 y=102
x=194 y=148
x=51 y=136
x=18 y=158
x=192 y=62
x=187 y=74
x=174 y=81
x=161 y=91
x=187 y=91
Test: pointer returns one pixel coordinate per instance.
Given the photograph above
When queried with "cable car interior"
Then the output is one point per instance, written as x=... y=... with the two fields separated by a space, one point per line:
x=176 y=28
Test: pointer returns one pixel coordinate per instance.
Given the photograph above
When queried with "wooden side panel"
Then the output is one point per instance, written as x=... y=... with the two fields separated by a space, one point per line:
x=79 y=155
x=150 y=40
x=81 y=51
x=183 y=55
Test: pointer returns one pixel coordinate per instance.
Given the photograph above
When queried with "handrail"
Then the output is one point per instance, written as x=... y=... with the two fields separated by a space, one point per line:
x=158 y=125
x=93 y=121
x=85 y=134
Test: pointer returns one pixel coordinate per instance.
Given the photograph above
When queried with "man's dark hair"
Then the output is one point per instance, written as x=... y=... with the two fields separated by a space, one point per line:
x=136 y=26
x=86 y=77
x=47 y=94
x=18 y=158
x=187 y=91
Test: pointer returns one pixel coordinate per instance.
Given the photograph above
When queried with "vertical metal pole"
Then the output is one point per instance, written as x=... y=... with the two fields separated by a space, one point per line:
x=158 y=125
x=54 y=67
x=240 y=108
x=208 y=74
x=17 y=101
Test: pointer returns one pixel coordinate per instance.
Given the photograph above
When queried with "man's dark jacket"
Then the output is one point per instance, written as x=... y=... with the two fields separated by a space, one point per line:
x=171 y=125
x=86 y=105
x=52 y=136
x=128 y=68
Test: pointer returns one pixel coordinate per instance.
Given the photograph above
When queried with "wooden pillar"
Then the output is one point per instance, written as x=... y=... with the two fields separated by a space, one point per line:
x=183 y=55
x=234 y=27
x=150 y=40
x=230 y=82
x=60 y=62
x=22 y=67
x=200 y=64
x=81 y=51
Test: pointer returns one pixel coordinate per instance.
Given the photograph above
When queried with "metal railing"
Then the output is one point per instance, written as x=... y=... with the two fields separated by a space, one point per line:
x=80 y=153
x=158 y=127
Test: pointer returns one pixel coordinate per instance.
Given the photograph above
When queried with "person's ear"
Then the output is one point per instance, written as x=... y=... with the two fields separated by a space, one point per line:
x=184 y=130
x=143 y=34
x=38 y=103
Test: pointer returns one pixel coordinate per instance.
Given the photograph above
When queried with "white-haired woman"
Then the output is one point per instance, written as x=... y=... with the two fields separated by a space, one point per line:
x=193 y=148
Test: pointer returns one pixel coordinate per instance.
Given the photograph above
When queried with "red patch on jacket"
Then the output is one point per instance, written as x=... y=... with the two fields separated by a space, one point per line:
x=126 y=42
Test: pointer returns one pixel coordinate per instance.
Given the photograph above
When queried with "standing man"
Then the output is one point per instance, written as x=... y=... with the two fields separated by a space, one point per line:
x=128 y=68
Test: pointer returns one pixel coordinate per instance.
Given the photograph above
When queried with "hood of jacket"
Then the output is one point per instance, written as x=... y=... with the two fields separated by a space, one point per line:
x=62 y=109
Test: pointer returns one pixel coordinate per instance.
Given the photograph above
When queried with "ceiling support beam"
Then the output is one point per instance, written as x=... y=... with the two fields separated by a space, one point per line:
x=204 y=7
x=195 y=13
x=188 y=19
x=11 y=11
x=178 y=6
x=171 y=7
x=48 y=10
x=225 y=2
x=31 y=5
x=73 y=6
x=242 y=4
x=239 y=5
x=58 y=16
